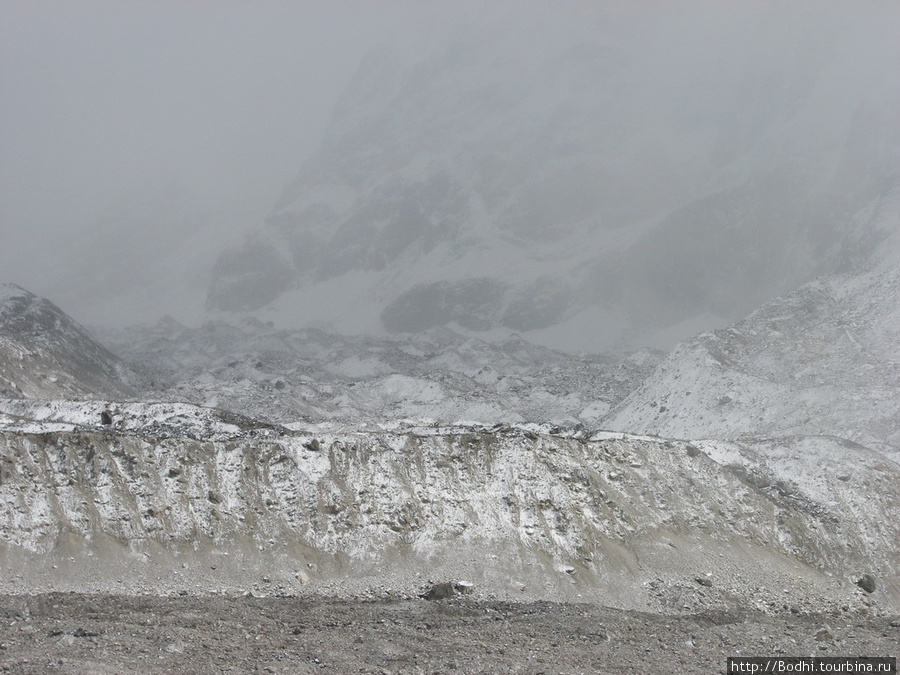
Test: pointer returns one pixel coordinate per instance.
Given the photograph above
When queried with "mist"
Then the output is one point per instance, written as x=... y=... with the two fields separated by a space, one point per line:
x=108 y=108
x=587 y=174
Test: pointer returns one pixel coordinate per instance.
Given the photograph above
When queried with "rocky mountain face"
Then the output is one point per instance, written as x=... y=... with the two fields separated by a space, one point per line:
x=172 y=495
x=603 y=186
x=823 y=359
x=46 y=354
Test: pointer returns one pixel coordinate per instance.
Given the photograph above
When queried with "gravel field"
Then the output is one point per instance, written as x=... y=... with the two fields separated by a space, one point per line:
x=108 y=634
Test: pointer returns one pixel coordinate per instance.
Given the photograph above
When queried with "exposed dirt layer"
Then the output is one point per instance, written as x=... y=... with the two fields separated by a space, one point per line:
x=105 y=634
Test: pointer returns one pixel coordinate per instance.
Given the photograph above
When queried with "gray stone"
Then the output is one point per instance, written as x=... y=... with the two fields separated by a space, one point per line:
x=464 y=587
x=440 y=592
x=867 y=583
x=824 y=634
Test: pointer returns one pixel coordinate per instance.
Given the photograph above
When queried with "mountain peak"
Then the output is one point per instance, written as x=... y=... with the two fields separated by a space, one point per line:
x=10 y=291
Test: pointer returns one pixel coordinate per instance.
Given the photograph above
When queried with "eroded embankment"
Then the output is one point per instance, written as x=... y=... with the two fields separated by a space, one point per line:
x=627 y=521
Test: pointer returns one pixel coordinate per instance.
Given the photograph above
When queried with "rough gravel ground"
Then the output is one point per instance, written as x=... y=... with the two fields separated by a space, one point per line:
x=106 y=634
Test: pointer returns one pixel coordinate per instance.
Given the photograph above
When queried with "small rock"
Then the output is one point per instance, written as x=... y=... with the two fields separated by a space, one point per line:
x=824 y=635
x=703 y=581
x=214 y=497
x=464 y=587
x=106 y=418
x=312 y=445
x=867 y=583
x=439 y=592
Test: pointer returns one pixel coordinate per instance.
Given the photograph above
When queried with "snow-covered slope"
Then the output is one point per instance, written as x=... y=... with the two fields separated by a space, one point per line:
x=623 y=520
x=45 y=354
x=610 y=183
x=822 y=360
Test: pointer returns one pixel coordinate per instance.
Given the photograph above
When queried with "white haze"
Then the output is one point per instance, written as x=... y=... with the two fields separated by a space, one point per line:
x=108 y=108
x=138 y=140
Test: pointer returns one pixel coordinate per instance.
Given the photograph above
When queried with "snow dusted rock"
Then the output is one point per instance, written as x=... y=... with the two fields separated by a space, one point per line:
x=152 y=420
x=821 y=360
x=637 y=519
x=46 y=354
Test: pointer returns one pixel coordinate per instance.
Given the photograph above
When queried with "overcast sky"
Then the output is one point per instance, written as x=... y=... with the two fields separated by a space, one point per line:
x=103 y=101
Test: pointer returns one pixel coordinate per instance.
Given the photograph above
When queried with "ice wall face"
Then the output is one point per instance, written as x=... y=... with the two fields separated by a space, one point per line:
x=646 y=174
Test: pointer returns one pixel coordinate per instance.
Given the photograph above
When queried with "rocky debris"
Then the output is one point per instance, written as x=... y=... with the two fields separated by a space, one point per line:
x=867 y=583
x=704 y=581
x=289 y=375
x=194 y=633
x=149 y=420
